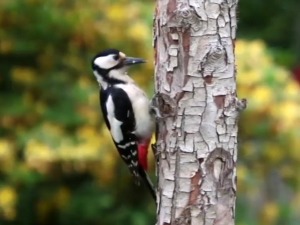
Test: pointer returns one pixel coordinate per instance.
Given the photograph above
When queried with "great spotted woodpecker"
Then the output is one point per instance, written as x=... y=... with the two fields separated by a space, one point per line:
x=126 y=110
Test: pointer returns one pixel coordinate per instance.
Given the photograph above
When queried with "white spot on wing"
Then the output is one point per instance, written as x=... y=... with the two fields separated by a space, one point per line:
x=135 y=163
x=126 y=145
x=125 y=157
x=134 y=153
x=115 y=125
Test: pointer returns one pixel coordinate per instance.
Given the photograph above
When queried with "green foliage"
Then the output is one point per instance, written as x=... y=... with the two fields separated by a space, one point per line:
x=58 y=164
x=274 y=21
x=268 y=187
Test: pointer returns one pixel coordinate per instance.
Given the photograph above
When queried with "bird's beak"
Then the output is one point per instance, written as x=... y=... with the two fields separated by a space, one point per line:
x=129 y=61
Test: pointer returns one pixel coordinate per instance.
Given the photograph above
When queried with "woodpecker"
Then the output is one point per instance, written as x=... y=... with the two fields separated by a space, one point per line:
x=126 y=111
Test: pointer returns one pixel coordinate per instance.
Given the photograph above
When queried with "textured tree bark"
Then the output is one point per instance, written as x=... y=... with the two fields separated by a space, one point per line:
x=196 y=98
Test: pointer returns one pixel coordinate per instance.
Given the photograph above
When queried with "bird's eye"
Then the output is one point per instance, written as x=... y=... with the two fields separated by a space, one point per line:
x=116 y=57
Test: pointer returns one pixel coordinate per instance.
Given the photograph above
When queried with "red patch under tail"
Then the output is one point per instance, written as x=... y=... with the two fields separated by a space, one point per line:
x=143 y=151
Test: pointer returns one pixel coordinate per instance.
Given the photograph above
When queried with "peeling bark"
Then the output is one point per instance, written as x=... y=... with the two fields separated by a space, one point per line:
x=196 y=98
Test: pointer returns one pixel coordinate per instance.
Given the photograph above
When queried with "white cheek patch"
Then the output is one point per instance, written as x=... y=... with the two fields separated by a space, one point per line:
x=115 y=125
x=106 y=62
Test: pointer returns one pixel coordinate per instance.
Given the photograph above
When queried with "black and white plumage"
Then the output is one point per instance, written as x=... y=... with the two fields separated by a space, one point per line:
x=125 y=109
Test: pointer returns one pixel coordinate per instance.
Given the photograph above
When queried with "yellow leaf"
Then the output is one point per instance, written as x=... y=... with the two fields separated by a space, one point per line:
x=273 y=152
x=270 y=213
x=7 y=154
x=8 y=199
x=287 y=114
x=116 y=12
x=261 y=96
x=139 y=32
x=6 y=46
x=24 y=75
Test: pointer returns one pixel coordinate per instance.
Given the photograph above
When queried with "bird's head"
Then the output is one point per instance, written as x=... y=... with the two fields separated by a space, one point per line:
x=111 y=65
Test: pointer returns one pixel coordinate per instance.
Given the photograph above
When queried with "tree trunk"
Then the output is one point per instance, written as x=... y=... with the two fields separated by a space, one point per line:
x=196 y=97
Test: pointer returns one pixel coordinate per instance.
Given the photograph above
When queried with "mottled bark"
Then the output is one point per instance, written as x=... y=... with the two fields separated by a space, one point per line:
x=196 y=97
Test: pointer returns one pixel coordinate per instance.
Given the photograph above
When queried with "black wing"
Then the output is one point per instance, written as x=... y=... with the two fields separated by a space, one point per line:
x=123 y=113
x=127 y=147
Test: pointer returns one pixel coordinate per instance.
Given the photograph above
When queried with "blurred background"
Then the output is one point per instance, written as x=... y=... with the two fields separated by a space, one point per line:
x=57 y=162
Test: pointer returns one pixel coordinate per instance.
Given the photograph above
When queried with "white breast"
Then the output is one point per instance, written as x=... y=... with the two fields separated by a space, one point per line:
x=140 y=105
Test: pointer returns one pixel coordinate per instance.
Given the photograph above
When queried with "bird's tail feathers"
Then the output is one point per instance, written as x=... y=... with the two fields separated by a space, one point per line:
x=148 y=182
